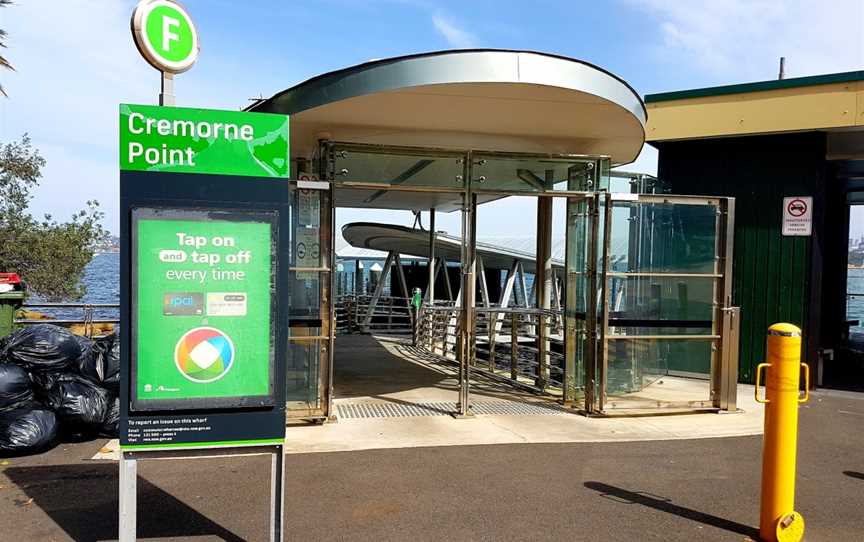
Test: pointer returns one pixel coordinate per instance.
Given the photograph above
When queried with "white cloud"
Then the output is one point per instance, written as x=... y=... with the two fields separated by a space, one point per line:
x=454 y=35
x=739 y=40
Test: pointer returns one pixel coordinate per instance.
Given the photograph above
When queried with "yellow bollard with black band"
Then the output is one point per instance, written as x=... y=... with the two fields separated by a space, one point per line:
x=778 y=520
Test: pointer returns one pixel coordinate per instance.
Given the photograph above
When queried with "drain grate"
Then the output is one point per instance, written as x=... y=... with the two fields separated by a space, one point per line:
x=409 y=410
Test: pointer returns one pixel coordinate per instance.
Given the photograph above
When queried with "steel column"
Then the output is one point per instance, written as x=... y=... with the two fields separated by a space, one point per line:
x=379 y=289
x=443 y=263
x=328 y=306
x=543 y=285
x=591 y=323
x=604 y=301
x=468 y=294
x=726 y=390
x=430 y=289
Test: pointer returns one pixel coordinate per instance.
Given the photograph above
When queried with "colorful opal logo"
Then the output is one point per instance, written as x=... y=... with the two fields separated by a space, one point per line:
x=204 y=354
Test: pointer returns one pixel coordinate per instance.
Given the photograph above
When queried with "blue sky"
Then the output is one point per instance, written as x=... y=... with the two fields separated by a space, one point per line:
x=75 y=61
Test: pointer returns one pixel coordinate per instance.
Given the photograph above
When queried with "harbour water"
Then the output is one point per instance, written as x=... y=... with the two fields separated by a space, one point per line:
x=855 y=298
x=102 y=280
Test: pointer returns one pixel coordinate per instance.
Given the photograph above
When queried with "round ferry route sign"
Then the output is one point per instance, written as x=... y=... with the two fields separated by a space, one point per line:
x=165 y=36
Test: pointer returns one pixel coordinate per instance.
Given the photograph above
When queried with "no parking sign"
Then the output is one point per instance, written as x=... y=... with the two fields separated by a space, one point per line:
x=798 y=216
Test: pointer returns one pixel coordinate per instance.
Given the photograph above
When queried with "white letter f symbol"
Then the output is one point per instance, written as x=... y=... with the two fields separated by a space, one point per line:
x=167 y=35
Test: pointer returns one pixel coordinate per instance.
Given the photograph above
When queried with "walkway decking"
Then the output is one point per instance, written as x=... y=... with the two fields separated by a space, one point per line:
x=388 y=395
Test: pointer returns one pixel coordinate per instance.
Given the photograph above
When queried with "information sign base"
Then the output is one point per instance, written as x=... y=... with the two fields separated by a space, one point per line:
x=128 y=517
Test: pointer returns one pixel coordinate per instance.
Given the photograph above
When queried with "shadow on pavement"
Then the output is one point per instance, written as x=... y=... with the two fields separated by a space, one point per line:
x=853 y=474
x=82 y=500
x=624 y=496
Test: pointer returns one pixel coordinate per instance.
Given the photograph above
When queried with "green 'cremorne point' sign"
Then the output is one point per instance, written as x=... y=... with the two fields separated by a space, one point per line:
x=186 y=140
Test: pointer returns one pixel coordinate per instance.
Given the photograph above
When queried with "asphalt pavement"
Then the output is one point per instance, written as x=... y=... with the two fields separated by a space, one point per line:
x=701 y=489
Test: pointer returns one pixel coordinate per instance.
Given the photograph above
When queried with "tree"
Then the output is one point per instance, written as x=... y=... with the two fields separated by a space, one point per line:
x=3 y=62
x=50 y=256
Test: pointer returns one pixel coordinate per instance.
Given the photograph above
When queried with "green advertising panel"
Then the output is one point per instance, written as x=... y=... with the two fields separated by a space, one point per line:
x=202 y=327
x=184 y=140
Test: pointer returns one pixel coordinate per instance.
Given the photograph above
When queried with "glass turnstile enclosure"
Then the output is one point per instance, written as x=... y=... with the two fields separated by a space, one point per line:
x=664 y=295
x=646 y=308
x=310 y=319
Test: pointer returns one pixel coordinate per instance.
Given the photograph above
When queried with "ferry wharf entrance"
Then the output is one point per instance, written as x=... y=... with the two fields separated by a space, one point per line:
x=636 y=317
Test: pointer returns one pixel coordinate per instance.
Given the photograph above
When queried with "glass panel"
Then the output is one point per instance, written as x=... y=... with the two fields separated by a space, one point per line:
x=309 y=212
x=646 y=241
x=576 y=297
x=650 y=372
x=303 y=364
x=305 y=296
x=663 y=237
x=398 y=167
x=659 y=305
x=306 y=226
x=636 y=183
x=515 y=174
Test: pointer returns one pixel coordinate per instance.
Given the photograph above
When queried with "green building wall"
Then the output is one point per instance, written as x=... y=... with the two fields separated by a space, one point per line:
x=776 y=278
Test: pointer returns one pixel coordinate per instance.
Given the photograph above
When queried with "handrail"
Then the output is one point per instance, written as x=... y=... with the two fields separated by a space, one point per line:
x=88 y=318
x=72 y=305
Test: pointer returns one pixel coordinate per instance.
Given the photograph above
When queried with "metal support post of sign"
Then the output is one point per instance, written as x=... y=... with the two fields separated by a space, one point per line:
x=166 y=96
x=277 y=494
x=127 y=531
x=128 y=498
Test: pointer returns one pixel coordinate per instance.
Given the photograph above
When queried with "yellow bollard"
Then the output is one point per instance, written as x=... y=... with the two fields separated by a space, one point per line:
x=778 y=521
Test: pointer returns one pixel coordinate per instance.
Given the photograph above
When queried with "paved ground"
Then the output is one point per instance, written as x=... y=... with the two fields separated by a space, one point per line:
x=390 y=395
x=383 y=376
x=687 y=490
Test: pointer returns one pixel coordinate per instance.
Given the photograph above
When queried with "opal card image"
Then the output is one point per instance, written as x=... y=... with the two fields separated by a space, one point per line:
x=183 y=304
x=226 y=303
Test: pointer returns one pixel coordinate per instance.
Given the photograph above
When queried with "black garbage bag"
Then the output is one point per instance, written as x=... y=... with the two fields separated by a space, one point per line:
x=81 y=405
x=111 y=364
x=100 y=361
x=90 y=361
x=112 y=420
x=27 y=430
x=15 y=387
x=42 y=348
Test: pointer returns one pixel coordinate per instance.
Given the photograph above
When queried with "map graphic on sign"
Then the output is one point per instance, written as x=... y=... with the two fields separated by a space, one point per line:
x=204 y=354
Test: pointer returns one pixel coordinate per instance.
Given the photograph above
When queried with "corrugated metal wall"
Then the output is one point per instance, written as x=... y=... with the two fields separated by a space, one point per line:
x=775 y=277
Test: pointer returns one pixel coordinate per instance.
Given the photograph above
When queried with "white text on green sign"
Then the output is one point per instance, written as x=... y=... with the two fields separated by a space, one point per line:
x=185 y=140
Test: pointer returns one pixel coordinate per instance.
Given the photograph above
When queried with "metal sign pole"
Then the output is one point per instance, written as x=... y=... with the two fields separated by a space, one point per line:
x=166 y=97
x=277 y=494
x=129 y=483
x=128 y=499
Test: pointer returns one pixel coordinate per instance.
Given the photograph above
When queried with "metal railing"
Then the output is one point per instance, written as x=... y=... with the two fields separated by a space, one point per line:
x=92 y=315
x=390 y=314
x=507 y=342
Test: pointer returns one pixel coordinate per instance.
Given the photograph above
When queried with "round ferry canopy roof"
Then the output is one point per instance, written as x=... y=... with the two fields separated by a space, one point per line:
x=469 y=99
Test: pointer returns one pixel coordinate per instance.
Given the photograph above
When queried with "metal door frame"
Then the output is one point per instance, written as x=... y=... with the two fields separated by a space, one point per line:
x=322 y=408
x=468 y=190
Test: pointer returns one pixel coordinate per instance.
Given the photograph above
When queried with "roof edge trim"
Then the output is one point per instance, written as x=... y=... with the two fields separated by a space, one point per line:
x=334 y=76
x=759 y=86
